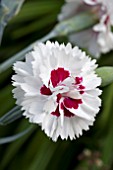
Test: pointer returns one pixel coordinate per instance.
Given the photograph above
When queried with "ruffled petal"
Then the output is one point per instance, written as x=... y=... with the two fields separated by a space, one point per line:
x=57 y=89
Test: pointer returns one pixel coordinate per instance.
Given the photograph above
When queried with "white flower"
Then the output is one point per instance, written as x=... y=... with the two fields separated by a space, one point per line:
x=105 y=35
x=57 y=89
x=70 y=9
x=106 y=7
x=93 y=39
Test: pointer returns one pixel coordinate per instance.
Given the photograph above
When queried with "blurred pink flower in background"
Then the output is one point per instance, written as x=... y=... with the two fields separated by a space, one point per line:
x=99 y=38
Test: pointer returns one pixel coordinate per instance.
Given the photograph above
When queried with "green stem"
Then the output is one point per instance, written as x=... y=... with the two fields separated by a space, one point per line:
x=11 y=116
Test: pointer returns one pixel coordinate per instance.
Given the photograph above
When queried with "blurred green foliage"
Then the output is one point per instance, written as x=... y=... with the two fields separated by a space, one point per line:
x=8 y=9
x=35 y=151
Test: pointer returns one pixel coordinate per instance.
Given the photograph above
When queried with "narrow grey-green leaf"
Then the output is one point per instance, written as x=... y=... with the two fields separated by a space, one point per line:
x=14 y=137
x=13 y=149
x=106 y=74
x=8 y=8
x=75 y=24
x=11 y=116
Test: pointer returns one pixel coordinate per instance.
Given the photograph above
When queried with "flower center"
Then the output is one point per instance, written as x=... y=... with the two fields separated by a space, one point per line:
x=65 y=88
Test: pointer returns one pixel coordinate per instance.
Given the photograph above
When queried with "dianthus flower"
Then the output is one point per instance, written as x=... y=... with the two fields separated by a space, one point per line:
x=105 y=35
x=57 y=89
x=99 y=38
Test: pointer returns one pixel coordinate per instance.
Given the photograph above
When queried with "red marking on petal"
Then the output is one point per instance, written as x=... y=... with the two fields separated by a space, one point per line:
x=78 y=80
x=67 y=113
x=72 y=103
x=62 y=106
x=45 y=91
x=79 y=101
x=81 y=92
x=58 y=76
x=58 y=97
x=107 y=20
x=81 y=87
x=56 y=113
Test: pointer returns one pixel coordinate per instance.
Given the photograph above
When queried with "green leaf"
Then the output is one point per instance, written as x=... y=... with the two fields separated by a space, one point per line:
x=107 y=142
x=11 y=116
x=44 y=155
x=14 y=137
x=106 y=74
x=7 y=10
x=6 y=100
x=103 y=121
x=36 y=9
x=14 y=147
x=34 y=26
x=75 y=24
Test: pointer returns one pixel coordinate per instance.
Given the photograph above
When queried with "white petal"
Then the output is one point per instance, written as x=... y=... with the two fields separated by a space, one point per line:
x=19 y=95
x=29 y=89
x=69 y=9
x=61 y=111
x=86 y=39
x=91 y=81
x=74 y=94
x=79 y=113
x=67 y=130
x=105 y=41
x=79 y=125
x=22 y=68
x=94 y=92
x=37 y=118
x=50 y=106
x=91 y=2
x=36 y=107
x=93 y=101
x=49 y=124
x=17 y=79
